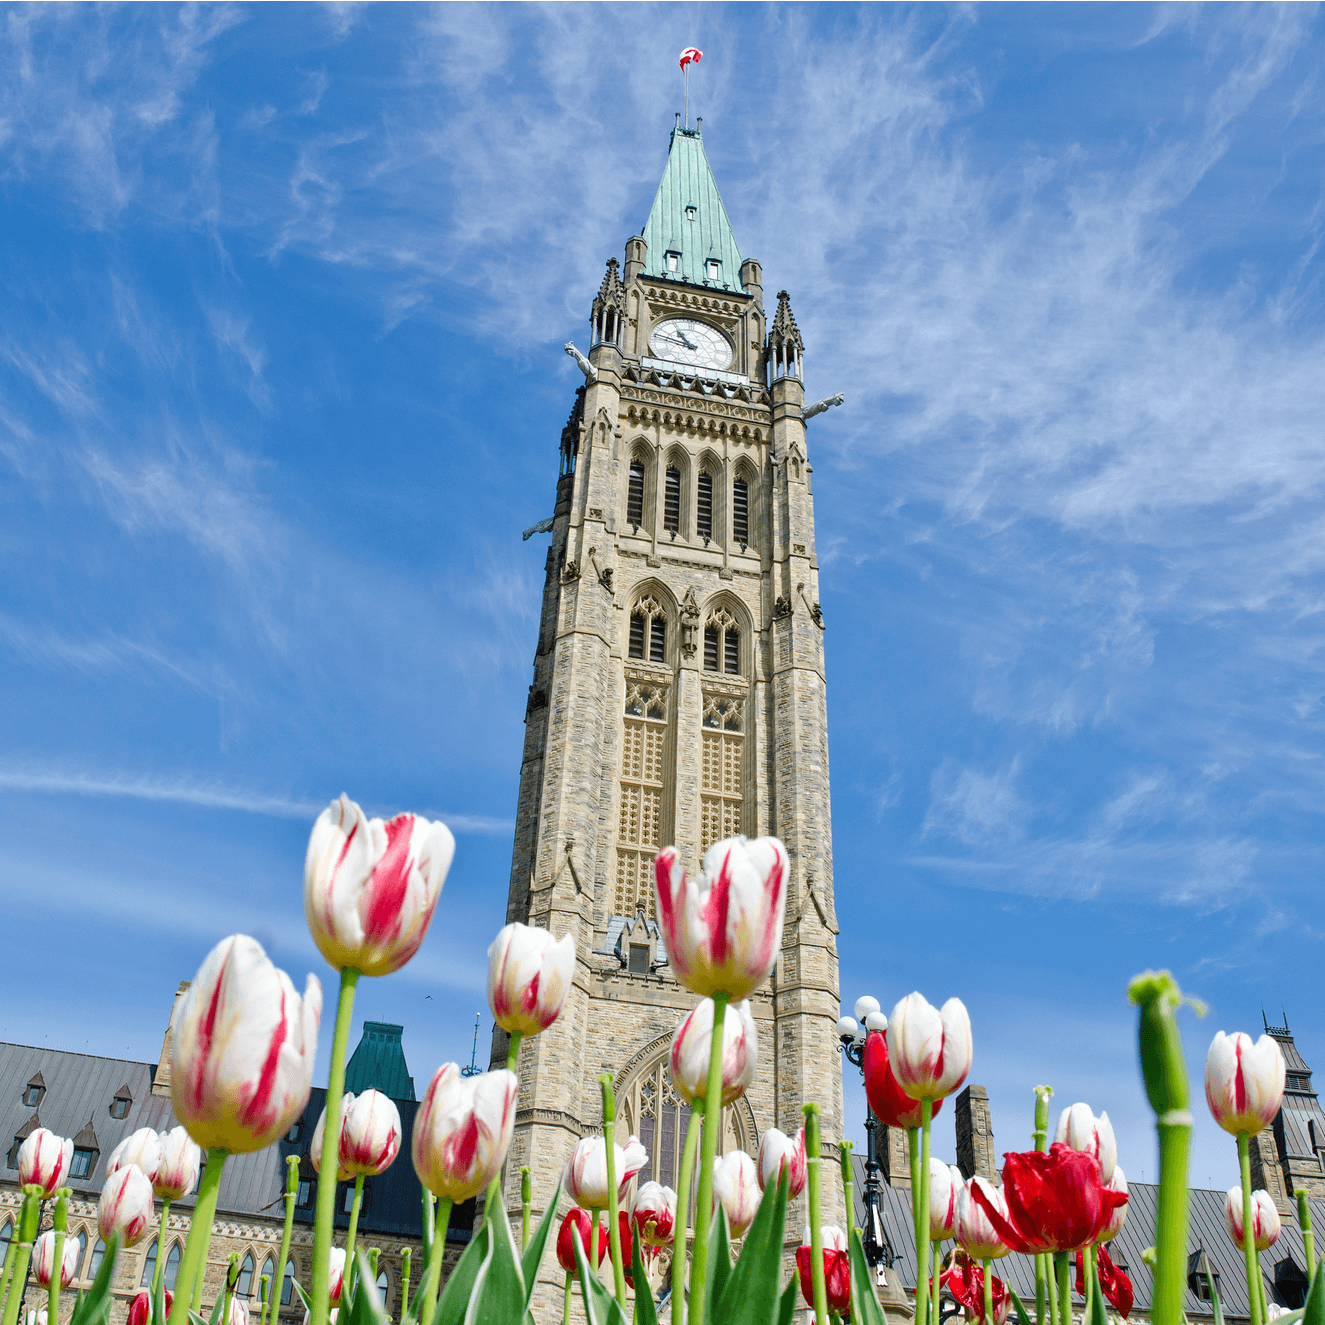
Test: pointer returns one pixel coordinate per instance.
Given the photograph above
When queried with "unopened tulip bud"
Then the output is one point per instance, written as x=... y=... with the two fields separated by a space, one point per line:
x=370 y=887
x=462 y=1131
x=778 y=1151
x=143 y=1148
x=140 y=1309
x=181 y=1162
x=1265 y=1224
x=1244 y=1082
x=692 y=1048
x=43 y=1260
x=125 y=1208
x=1079 y=1129
x=579 y=1221
x=43 y=1161
x=945 y=1182
x=242 y=1046
x=837 y=1268
x=975 y=1231
x=736 y=1186
x=369 y=1133
x=529 y=976
x=586 y=1173
x=723 y=928
x=929 y=1048
x=654 y=1213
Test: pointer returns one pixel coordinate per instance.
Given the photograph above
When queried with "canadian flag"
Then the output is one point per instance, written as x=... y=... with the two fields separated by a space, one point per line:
x=691 y=55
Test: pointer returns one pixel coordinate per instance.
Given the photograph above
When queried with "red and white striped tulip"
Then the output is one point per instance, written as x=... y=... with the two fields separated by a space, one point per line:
x=654 y=1213
x=370 y=1134
x=529 y=976
x=692 y=1046
x=975 y=1231
x=1265 y=1225
x=125 y=1208
x=736 y=1187
x=371 y=886
x=945 y=1183
x=837 y=1268
x=316 y=1145
x=1079 y=1129
x=586 y=1173
x=463 y=1130
x=336 y=1273
x=242 y=1045
x=181 y=1162
x=929 y=1048
x=43 y=1259
x=723 y=928
x=43 y=1161
x=238 y=1311
x=778 y=1151
x=1117 y=1183
x=1244 y=1082
x=143 y=1148
x=140 y=1309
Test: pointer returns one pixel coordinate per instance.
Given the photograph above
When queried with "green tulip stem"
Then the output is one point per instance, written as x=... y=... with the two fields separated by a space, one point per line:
x=613 y=1223
x=713 y=1125
x=1308 y=1237
x=188 y=1283
x=264 y=1296
x=1248 y=1232
x=1260 y=1283
x=565 y=1311
x=512 y=1058
x=936 y=1268
x=683 y=1212
x=433 y=1275
x=1041 y=1139
x=526 y=1199
x=291 y=1191
x=845 y=1148
x=913 y=1158
x=24 y=1236
x=59 y=1224
x=231 y=1276
x=594 y=1262
x=1065 y=1286
x=1052 y=1284
x=429 y=1207
x=354 y=1221
x=10 y=1253
x=404 y=1283
x=922 y=1219
x=989 y=1293
x=159 y=1272
x=813 y=1163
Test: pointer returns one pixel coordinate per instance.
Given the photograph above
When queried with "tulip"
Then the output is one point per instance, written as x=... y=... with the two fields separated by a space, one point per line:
x=891 y=1104
x=692 y=1048
x=1265 y=1223
x=370 y=887
x=462 y=1131
x=1118 y=1183
x=1244 y=1082
x=654 y=1213
x=945 y=1182
x=929 y=1048
x=976 y=1233
x=125 y=1208
x=966 y=1282
x=140 y=1309
x=43 y=1260
x=586 y=1173
x=577 y=1219
x=370 y=1133
x=1114 y=1283
x=1055 y=1201
x=529 y=976
x=837 y=1269
x=1081 y=1130
x=143 y=1148
x=242 y=1045
x=779 y=1153
x=336 y=1274
x=723 y=928
x=736 y=1188
x=238 y=1312
x=319 y=1140
x=43 y=1161
x=181 y=1161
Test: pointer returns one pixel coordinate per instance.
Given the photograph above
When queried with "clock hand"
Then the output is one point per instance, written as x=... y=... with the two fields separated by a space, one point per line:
x=686 y=341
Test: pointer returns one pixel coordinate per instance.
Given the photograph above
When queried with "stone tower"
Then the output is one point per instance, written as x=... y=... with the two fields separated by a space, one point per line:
x=678 y=691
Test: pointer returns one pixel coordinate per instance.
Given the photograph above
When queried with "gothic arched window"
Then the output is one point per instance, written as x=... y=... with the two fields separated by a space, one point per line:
x=722 y=644
x=722 y=732
x=269 y=1269
x=244 y=1284
x=639 y=825
x=648 y=631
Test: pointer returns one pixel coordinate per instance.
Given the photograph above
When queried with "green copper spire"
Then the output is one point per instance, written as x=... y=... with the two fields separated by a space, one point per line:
x=688 y=228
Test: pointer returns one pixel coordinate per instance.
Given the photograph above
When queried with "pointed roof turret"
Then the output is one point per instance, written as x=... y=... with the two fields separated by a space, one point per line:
x=688 y=230
x=784 y=330
x=610 y=293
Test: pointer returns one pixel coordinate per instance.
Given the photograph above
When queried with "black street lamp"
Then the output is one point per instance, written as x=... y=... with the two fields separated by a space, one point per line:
x=878 y=1250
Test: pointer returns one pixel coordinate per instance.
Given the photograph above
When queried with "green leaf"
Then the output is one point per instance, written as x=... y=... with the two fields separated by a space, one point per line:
x=750 y=1296
x=787 y=1303
x=1098 y=1316
x=720 y=1260
x=600 y=1307
x=94 y=1307
x=1314 y=1311
x=533 y=1253
x=645 y=1311
x=365 y=1305
x=303 y=1297
x=499 y=1295
x=1022 y=1317
x=459 y=1287
x=215 y=1318
x=865 y=1309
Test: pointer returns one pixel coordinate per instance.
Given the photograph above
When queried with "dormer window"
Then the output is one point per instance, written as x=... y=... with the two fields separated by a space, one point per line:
x=119 y=1106
x=33 y=1091
x=690 y=213
x=673 y=261
x=715 y=269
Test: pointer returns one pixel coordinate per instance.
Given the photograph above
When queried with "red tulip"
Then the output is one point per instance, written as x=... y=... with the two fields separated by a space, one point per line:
x=578 y=1220
x=966 y=1282
x=891 y=1104
x=140 y=1309
x=1114 y=1283
x=1055 y=1201
x=837 y=1269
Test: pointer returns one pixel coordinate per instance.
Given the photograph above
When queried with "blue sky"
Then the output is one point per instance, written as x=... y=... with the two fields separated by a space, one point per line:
x=282 y=296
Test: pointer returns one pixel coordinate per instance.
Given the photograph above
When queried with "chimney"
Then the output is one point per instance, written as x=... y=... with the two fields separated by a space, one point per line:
x=161 y=1077
x=975 y=1135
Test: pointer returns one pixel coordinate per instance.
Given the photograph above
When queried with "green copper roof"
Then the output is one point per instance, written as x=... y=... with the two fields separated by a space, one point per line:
x=379 y=1063
x=689 y=220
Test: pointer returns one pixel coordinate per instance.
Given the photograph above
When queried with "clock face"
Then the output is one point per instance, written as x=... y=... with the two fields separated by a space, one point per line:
x=695 y=344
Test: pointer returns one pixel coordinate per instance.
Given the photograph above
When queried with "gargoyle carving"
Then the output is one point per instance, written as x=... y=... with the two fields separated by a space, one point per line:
x=570 y=571
x=782 y=607
x=819 y=406
x=589 y=371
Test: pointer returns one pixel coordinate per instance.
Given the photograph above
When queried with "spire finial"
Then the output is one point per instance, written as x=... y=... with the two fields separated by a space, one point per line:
x=691 y=55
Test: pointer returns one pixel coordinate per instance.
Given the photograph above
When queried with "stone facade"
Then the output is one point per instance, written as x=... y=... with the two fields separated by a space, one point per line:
x=975 y=1135
x=678 y=697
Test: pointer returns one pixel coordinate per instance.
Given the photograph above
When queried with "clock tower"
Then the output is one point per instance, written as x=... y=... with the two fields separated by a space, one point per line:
x=678 y=690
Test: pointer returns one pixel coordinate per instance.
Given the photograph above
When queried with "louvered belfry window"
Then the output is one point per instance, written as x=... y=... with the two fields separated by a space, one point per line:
x=711 y=651
x=704 y=508
x=658 y=639
x=636 y=635
x=672 y=502
x=635 y=496
x=731 y=651
x=741 y=512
